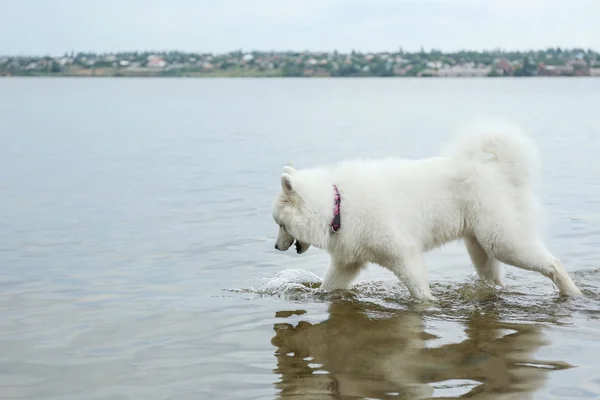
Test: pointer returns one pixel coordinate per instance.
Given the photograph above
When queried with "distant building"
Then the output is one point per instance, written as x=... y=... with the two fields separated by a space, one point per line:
x=557 y=70
x=504 y=66
x=464 y=71
x=429 y=72
x=577 y=63
x=434 y=64
x=401 y=71
x=65 y=61
x=156 y=62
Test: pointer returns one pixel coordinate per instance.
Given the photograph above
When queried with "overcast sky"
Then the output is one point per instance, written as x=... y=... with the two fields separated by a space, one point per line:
x=53 y=27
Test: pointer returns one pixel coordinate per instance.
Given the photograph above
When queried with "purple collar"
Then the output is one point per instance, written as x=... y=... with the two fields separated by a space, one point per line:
x=337 y=220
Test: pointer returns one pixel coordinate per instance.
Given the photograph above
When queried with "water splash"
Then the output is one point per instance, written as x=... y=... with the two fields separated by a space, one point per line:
x=291 y=280
x=292 y=284
x=455 y=300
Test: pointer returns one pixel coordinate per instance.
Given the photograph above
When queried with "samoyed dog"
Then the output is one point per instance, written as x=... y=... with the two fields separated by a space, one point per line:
x=390 y=211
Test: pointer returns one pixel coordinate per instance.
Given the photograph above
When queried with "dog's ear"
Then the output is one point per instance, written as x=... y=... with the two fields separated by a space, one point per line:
x=286 y=184
x=289 y=170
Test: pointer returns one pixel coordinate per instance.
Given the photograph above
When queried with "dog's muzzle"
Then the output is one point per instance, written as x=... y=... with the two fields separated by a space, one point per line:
x=284 y=248
x=300 y=247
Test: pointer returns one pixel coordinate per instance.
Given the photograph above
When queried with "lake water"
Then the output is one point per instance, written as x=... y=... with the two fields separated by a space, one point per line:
x=137 y=260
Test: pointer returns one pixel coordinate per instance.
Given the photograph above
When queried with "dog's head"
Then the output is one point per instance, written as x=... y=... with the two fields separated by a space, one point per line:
x=287 y=213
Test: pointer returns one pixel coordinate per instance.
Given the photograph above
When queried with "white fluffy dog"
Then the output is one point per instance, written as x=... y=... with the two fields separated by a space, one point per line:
x=391 y=211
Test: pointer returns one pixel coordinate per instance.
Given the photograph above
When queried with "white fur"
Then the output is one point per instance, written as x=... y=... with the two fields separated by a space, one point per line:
x=394 y=210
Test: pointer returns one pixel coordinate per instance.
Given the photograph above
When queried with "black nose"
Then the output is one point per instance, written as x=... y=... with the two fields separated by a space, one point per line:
x=276 y=247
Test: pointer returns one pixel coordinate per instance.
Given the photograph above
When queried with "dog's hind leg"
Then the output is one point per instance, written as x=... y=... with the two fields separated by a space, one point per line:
x=340 y=275
x=488 y=268
x=531 y=254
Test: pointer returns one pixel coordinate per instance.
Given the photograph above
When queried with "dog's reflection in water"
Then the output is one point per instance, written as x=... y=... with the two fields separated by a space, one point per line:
x=357 y=355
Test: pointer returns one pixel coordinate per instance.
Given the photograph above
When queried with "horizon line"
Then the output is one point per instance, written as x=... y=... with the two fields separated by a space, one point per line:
x=396 y=51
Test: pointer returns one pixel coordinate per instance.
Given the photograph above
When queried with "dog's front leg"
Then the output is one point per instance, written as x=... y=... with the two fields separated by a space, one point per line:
x=412 y=271
x=339 y=275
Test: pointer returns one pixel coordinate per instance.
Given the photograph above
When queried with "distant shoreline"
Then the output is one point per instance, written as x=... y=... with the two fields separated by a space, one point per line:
x=549 y=62
x=255 y=74
x=238 y=73
x=249 y=76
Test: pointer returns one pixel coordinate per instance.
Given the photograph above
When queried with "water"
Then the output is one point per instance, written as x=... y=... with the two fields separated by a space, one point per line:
x=137 y=260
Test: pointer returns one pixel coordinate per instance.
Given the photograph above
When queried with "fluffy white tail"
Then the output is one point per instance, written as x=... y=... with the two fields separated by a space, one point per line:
x=508 y=147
